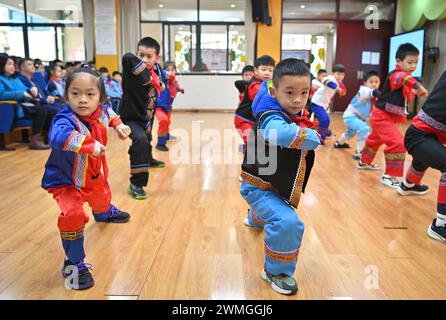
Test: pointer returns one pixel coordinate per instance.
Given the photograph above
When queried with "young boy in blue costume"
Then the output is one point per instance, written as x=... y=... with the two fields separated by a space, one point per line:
x=358 y=113
x=277 y=166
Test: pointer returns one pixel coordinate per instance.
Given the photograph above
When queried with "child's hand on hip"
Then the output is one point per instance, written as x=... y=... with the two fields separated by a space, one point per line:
x=421 y=91
x=123 y=131
x=99 y=149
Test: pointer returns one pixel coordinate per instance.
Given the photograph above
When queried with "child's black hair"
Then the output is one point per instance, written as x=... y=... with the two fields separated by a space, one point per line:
x=53 y=67
x=406 y=49
x=338 y=68
x=247 y=68
x=321 y=71
x=85 y=69
x=290 y=67
x=3 y=60
x=264 y=60
x=115 y=73
x=169 y=63
x=103 y=69
x=149 y=42
x=370 y=74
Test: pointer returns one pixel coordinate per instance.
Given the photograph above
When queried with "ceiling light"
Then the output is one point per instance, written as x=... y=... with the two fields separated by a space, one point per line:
x=232 y=5
x=161 y=5
x=302 y=6
x=20 y=5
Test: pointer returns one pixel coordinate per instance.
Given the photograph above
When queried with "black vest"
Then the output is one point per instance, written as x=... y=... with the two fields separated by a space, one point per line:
x=390 y=100
x=244 y=109
x=293 y=166
x=433 y=111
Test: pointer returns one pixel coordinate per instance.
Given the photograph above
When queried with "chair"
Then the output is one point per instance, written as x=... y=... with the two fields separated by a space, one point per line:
x=9 y=123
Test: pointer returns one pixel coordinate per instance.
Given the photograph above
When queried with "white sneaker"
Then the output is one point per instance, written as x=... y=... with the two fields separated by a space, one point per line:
x=247 y=223
x=365 y=166
x=390 y=182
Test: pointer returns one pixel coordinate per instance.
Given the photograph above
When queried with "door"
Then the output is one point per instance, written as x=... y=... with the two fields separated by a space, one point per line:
x=352 y=40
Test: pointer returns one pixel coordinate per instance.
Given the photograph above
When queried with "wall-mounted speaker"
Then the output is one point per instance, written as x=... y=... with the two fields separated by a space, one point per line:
x=260 y=12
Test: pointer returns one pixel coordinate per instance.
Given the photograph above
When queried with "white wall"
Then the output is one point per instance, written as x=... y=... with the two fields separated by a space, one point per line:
x=207 y=92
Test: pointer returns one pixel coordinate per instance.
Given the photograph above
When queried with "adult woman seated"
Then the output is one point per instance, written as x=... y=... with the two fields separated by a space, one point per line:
x=12 y=88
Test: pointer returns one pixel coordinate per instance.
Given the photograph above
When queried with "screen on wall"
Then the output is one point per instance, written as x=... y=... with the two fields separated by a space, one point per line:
x=417 y=39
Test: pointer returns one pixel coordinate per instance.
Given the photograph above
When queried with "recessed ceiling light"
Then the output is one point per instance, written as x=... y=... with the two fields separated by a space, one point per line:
x=161 y=5
x=20 y=5
x=180 y=28
x=232 y=5
x=302 y=6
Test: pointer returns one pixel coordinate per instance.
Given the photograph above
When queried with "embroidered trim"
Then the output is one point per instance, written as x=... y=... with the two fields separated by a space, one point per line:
x=296 y=192
x=139 y=68
x=301 y=136
x=431 y=122
x=282 y=256
x=395 y=156
x=394 y=109
x=256 y=181
x=72 y=235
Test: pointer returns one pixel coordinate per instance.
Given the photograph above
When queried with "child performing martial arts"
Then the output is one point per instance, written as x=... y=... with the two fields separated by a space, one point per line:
x=76 y=171
x=276 y=168
x=358 y=112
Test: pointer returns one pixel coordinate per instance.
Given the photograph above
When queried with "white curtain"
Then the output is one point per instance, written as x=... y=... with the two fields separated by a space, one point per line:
x=129 y=27
x=88 y=27
x=250 y=30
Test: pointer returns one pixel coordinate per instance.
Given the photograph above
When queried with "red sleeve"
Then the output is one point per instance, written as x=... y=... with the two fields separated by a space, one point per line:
x=343 y=89
x=399 y=79
x=253 y=89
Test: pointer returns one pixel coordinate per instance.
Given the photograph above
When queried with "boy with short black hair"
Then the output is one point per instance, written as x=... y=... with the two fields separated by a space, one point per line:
x=321 y=99
x=273 y=187
x=358 y=113
x=141 y=86
x=391 y=108
x=244 y=120
x=247 y=74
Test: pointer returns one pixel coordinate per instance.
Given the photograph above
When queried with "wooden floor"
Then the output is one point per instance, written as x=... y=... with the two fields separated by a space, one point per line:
x=188 y=241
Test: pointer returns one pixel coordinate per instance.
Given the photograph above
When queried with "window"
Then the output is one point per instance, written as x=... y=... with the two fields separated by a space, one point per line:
x=213 y=40
x=11 y=41
x=308 y=42
x=12 y=11
x=56 y=24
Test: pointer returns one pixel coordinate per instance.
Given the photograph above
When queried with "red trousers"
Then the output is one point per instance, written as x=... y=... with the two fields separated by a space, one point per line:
x=71 y=200
x=243 y=128
x=163 y=119
x=385 y=132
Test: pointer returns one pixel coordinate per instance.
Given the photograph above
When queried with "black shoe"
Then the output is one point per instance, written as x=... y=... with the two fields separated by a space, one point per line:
x=79 y=273
x=341 y=146
x=161 y=147
x=437 y=233
x=156 y=164
x=418 y=189
x=137 y=192
x=118 y=216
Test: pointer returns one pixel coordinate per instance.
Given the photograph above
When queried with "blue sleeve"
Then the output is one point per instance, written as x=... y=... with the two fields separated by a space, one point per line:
x=61 y=130
x=277 y=131
x=333 y=85
x=15 y=95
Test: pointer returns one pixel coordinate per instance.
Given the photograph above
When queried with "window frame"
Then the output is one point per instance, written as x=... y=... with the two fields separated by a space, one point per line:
x=25 y=25
x=198 y=24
